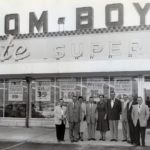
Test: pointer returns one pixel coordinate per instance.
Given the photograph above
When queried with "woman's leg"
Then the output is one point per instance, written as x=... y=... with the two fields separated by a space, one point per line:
x=104 y=135
x=101 y=135
x=81 y=135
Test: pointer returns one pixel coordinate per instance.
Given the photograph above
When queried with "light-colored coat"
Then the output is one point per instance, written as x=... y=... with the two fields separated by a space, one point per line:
x=58 y=115
x=143 y=115
x=124 y=112
x=74 y=114
x=91 y=115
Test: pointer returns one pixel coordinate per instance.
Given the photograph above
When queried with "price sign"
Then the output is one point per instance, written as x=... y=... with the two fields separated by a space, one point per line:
x=68 y=89
x=42 y=90
x=15 y=90
x=94 y=88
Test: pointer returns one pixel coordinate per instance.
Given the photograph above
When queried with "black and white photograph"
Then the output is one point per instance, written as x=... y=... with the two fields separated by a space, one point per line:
x=74 y=74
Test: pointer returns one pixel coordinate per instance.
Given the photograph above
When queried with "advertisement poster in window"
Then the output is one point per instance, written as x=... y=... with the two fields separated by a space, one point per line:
x=68 y=89
x=122 y=85
x=15 y=90
x=94 y=88
x=42 y=90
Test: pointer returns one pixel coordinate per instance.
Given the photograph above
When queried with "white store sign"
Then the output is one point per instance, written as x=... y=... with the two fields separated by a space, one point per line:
x=15 y=90
x=42 y=90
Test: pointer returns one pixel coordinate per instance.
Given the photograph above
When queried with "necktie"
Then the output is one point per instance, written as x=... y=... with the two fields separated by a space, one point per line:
x=112 y=103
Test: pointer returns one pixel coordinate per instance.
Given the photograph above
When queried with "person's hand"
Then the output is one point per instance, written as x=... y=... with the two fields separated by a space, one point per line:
x=105 y=117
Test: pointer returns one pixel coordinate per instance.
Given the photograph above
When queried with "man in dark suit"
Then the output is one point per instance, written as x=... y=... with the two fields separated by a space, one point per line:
x=129 y=118
x=140 y=115
x=114 y=110
x=74 y=116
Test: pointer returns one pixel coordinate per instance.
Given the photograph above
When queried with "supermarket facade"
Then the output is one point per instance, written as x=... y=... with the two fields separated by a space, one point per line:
x=36 y=69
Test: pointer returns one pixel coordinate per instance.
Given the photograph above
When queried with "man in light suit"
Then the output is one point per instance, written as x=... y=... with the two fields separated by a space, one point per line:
x=60 y=120
x=114 y=110
x=74 y=115
x=140 y=115
x=129 y=117
x=91 y=118
x=125 y=125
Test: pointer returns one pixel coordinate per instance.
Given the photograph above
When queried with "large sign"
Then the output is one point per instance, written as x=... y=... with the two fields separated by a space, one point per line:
x=94 y=88
x=42 y=90
x=122 y=85
x=67 y=89
x=84 y=18
x=15 y=90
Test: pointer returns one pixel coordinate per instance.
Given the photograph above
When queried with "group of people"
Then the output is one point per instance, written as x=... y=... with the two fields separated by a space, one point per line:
x=103 y=116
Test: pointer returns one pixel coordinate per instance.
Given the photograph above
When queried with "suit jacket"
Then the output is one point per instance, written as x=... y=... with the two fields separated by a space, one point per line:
x=58 y=115
x=74 y=113
x=124 y=111
x=143 y=115
x=114 y=113
x=129 y=111
x=91 y=114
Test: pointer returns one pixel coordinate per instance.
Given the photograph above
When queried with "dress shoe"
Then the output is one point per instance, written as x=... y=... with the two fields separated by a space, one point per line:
x=115 y=140
x=75 y=140
x=136 y=144
x=128 y=141
x=89 y=139
x=81 y=139
x=63 y=140
x=144 y=145
x=124 y=140
x=103 y=139
x=59 y=141
x=112 y=140
x=100 y=139
x=72 y=141
x=93 y=139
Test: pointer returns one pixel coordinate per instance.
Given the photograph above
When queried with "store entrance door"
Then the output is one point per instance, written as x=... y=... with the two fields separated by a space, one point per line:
x=147 y=94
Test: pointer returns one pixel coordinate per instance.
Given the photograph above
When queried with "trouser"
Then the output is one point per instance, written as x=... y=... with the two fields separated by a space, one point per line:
x=131 y=130
x=73 y=130
x=91 y=130
x=125 y=130
x=113 y=125
x=139 y=130
x=60 y=131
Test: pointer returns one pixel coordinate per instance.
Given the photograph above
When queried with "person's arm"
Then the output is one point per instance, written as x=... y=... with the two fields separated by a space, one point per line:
x=96 y=113
x=106 y=111
x=57 y=115
x=133 y=113
x=147 y=112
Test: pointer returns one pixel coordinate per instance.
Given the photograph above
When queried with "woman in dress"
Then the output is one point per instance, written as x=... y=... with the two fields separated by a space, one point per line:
x=82 y=123
x=102 y=123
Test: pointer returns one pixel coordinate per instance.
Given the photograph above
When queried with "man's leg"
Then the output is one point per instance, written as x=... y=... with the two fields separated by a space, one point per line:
x=89 y=130
x=71 y=130
x=137 y=133
x=76 y=130
x=115 y=124
x=124 y=130
x=111 y=128
x=128 y=132
x=62 y=131
x=142 y=130
x=58 y=132
x=93 y=130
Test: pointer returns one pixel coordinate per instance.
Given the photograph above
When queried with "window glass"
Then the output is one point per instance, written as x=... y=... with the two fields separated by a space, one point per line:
x=67 y=87
x=42 y=103
x=15 y=98
x=94 y=86
x=124 y=85
x=1 y=97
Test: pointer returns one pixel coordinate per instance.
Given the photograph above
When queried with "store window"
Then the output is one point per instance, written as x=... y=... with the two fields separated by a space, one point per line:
x=67 y=87
x=1 y=98
x=93 y=86
x=42 y=103
x=124 y=85
x=16 y=93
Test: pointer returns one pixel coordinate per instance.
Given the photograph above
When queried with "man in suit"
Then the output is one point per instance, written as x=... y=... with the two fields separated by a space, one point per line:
x=60 y=120
x=140 y=115
x=91 y=118
x=74 y=115
x=114 y=110
x=125 y=125
x=130 y=121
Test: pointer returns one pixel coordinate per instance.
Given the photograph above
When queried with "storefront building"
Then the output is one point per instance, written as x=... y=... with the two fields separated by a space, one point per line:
x=37 y=69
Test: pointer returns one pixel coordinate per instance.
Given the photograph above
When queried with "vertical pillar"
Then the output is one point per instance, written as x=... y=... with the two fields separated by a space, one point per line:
x=141 y=86
x=28 y=80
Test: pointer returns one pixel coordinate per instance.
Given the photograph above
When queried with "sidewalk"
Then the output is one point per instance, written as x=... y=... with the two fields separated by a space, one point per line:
x=47 y=135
